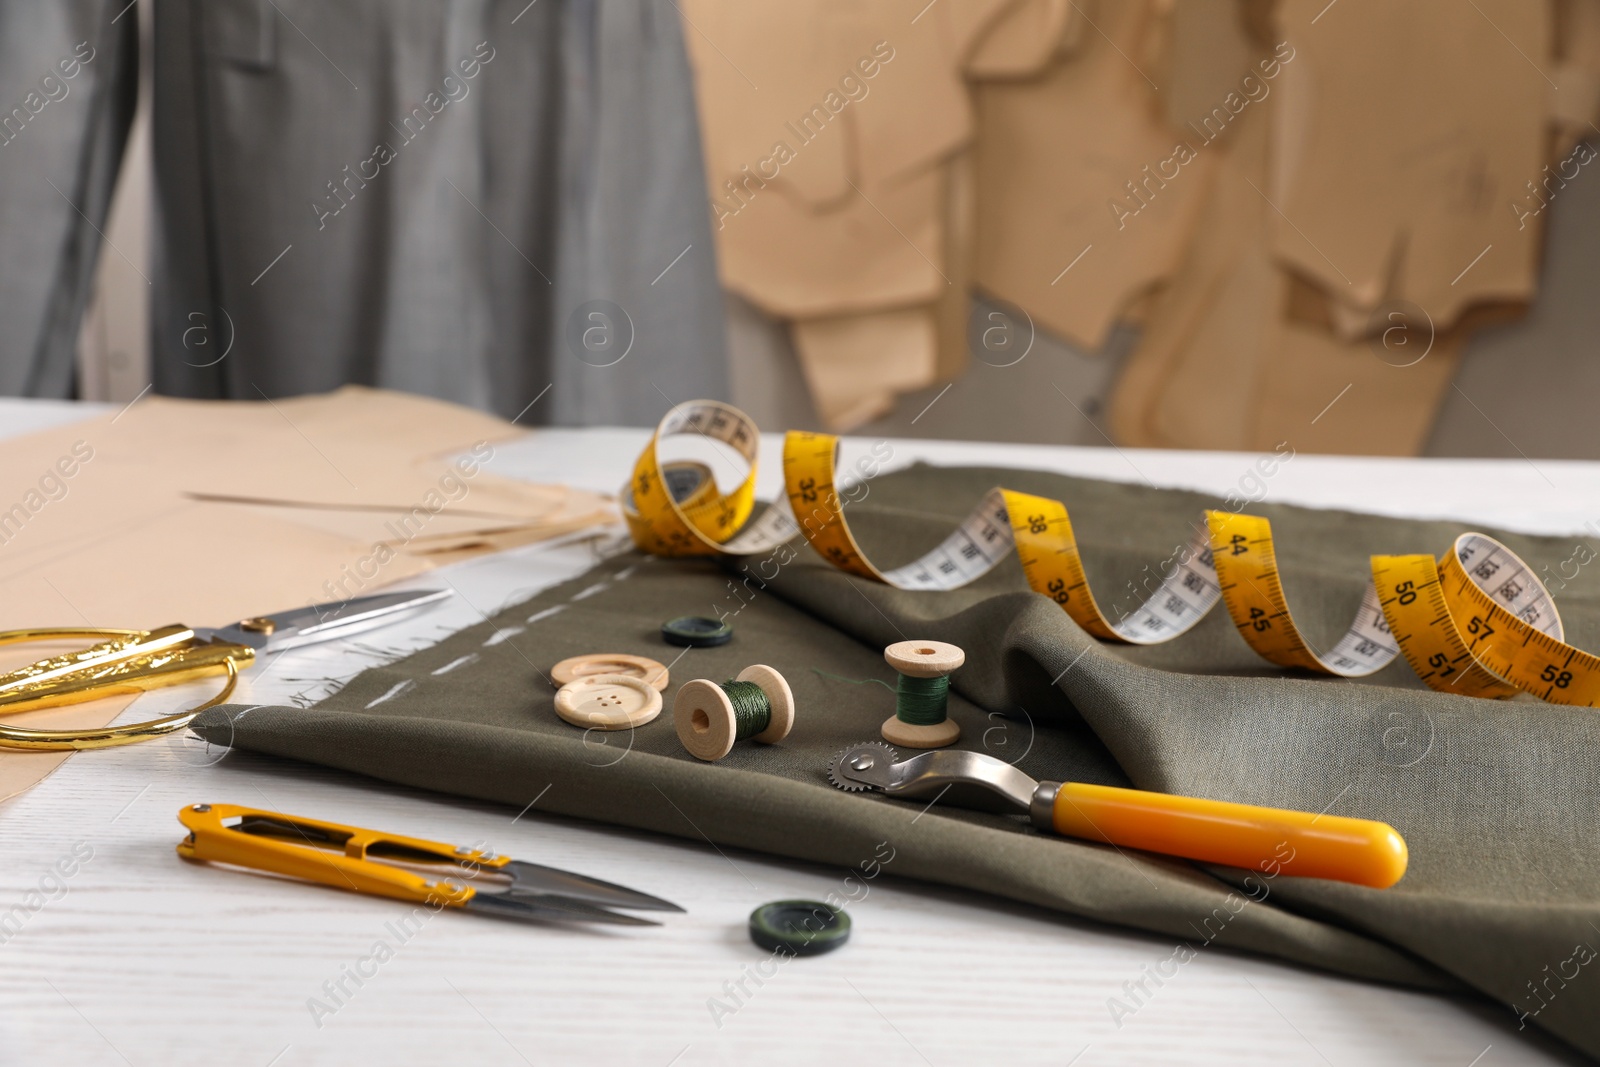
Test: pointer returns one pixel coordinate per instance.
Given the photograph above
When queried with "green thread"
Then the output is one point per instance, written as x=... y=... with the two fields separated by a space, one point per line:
x=854 y=681
x=751 y=710
x=921 y=701
x=918 y=701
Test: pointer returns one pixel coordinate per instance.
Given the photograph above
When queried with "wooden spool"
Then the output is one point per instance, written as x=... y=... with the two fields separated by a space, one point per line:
x=923 y=659
x=703 y=714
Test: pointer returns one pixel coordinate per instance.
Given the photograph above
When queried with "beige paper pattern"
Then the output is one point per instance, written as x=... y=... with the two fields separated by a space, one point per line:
x=205 y=512
x=1404 y=138
x=834 y=136
x=1414 y=155
x=1071 y=164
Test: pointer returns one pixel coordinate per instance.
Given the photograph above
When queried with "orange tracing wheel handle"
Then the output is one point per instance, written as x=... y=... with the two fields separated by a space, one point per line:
x=1361 y=851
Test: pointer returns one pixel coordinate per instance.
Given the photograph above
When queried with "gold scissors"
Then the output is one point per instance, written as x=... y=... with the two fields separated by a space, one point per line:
x=132 y=661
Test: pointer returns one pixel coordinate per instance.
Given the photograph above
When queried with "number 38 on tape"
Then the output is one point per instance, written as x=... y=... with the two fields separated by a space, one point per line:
x=1475 y=621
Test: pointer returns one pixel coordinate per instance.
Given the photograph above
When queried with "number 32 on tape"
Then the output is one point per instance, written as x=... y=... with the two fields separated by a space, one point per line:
x=1477 y=621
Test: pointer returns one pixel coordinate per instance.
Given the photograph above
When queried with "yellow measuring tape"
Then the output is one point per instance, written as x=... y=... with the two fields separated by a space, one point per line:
x=1476 y=621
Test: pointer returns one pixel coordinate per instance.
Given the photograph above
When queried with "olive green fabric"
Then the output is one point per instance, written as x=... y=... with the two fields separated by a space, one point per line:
x=1497 y=800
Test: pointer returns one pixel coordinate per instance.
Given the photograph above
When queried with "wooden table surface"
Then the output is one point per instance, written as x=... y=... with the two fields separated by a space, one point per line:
x=138 y=958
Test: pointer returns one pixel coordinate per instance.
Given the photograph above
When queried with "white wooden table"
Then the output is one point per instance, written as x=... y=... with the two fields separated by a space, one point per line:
x=143 y=959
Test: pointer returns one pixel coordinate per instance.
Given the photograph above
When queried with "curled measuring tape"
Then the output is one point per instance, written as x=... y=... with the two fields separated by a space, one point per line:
x=1476 y=621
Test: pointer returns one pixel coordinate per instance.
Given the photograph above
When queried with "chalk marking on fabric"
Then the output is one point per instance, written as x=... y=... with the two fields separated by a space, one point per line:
x=394 y=691
x=503 y=634
x=459 y=661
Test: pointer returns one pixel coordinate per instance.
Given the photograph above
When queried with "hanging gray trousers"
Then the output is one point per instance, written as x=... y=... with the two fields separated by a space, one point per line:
x=68 y=82
x=496 y=202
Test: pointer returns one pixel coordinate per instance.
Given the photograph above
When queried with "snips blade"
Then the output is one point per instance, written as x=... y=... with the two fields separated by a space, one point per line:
x=323 y=622
x=530 y=881
x=548 y=909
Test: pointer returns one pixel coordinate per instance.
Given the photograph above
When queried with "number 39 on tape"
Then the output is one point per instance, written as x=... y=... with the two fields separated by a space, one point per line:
x=1476 y=621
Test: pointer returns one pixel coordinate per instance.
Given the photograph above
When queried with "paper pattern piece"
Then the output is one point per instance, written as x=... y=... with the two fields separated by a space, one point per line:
x=1070 y=157
x=204 y=512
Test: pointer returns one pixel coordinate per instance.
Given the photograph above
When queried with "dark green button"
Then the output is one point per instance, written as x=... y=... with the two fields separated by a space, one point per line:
x=799 y=927
x=696 y=631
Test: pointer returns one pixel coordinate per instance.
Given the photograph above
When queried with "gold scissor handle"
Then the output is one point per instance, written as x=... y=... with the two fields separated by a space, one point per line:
x=125 y=661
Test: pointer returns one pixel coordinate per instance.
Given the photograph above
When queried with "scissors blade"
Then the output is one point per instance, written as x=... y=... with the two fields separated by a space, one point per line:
x=324 y=622
x=548 y=910
x=530 y=880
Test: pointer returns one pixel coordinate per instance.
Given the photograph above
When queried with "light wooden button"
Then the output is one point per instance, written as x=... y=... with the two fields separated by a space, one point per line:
x=924 y=659
x=570 y=670
x=608 y=702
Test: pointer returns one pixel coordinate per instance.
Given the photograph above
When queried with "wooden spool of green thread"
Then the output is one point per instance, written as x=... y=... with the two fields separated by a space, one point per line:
x=709 y=717
x=921 y=718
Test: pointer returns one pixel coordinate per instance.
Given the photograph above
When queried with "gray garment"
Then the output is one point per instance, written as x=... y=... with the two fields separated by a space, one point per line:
x=1527 y=387
x=472 y=199
x=61 y=140
x=1496 y=799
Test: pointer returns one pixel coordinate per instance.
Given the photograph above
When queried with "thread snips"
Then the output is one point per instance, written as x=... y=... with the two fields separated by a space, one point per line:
x=432 y=873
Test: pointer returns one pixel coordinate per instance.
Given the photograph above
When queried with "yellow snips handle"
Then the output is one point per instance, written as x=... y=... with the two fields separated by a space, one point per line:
x=124 y=661
x=1274 y=840
x=345 y=857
